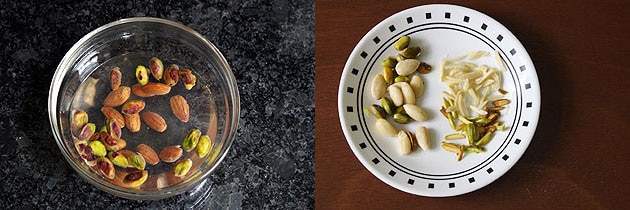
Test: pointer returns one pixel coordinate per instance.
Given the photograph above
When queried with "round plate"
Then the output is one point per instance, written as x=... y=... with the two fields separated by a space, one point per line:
x=442 y=31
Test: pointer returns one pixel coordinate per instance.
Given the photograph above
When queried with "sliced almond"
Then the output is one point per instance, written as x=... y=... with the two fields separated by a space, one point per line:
x=117 y=97
x=133 y=122
x=157 y=88
x=111 y=113
x=154 y=121
x=150 y=156
x=501 y=102
x=180 y=108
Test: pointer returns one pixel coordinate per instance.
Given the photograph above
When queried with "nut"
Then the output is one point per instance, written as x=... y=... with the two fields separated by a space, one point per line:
x=401 y=78
x=118 y=159
x=142 y=75
x=171 y=153
x=402 y=118
x=415 y=112
x=149 y=155
x=402 y=43
x=501 y=102
x=136 y=178
x=397 y=96
x=138 y=90
x=417 y=85
x=98 y=149
x=80 y=146
x=378 y=111
x=407 y=67
x=182 y=167
x=422 y=137
x=379 y=85
x=411 y=52
x=154 y=121
x=79 y=119
x=204 y=146
x=389 y=62
x=113 y=128
x=117 y=97
x=171 y=75
x=156 y=68
x=405 y=142
x=110 y=142
x=155 y=88
x=388 y=105
x=133 y=107
x=424 y=68
x=111 y=113
x=188 y=78
x=133 y=122
x=105 y=167
x=121 y=143
x=180 y=108
x=115 y=78
x=137 y=161
x=87 y=131
x=408 y=95
x=191 y=140
x=384 y=127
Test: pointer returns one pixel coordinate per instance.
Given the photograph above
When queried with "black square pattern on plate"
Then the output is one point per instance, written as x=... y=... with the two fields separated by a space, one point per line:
x=411 y=181
x=451 y=185
x=409 y=20
x=362 y=145
x=428 y=15
x=349 y=109
x=350 y=90
x=355 y=71
x=484 y=26
x=466 y=19
x=375 y=161
x=392 y=28
x=512 y=51
x=528 y=86
x=471 y=179
x=489 y=170
x=392 y=173
x=354 y=128
x=522 y=68
x=500 y=38
x=525 y=123
x=517 y=141
x=528 y=105
x=364 y=54
x=431 y=185
x=376 y=40
x=447 y=15
x=505 y=157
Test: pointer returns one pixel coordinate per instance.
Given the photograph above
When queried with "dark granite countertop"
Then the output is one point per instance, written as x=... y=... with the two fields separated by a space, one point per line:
x=270 y=47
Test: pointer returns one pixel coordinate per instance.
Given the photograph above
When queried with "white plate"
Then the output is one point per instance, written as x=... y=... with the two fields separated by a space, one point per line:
x=442 y=31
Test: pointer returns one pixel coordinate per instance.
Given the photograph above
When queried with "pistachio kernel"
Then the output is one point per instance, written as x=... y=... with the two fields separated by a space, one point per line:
x=79 y=119
x=115 y=78
x=411 y=52
x=378 y=111
x=113 y=127
x=402 y=118
x=110 y=142
x=389 y=62
x=98 y=149
x=204 y=146
x=80 y=146
x=105 y=167
x=188 y=78
x=402 y=43
x=133 y=107
x=137 y=161
x=142 y=75
x=171 y=75
x=136 y=178
x=182 y=167
x=388 y=105
x=401 y=78
x=118 y=159
x=191 y=140
x=156 y=68
x=87 y=131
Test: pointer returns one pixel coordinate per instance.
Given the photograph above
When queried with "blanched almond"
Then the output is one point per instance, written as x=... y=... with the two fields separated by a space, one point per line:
x=378 y=87
x=384 y=127
x=154 y=121
x=396 y=94
x=415 y=112
x=422 y=136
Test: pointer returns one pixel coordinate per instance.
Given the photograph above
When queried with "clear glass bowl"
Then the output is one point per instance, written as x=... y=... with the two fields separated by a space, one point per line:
x=81 y=81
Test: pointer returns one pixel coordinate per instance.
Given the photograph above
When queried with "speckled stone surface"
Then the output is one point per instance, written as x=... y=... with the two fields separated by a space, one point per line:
x=270 y=47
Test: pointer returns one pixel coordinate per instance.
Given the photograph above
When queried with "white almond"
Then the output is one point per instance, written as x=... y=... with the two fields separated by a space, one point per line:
x=384 y=127
x=409 y=97
x=422 y=136
x=415 y=112
x=407 y=66
x=379 y=86
x=417 y=85
x=404 y=143
x=396 y=94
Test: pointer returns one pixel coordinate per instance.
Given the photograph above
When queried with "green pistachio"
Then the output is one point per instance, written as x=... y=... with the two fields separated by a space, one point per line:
x=204 y=146
x=98 y=149
x=191 y=140
x=378 y=111
x=474 y=149
x=87 y=131
x=113 y=128
x=156 y=67
x=402 y=118
x=105 y=167
x=136 y=178
x=388 y=74
x=79 y=119
x=485 y=139
x=388 y=105
x=402 y=43
x=389 y=62
x=118 y=159
x=142 y=75
x=137 y=161
x=411 y=52
x=182 y=167
x=401 y=78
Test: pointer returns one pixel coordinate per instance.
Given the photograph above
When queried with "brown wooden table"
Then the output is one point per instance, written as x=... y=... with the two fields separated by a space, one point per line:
x=578 y=156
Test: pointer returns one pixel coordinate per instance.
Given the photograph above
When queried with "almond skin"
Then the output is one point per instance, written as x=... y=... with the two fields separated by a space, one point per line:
x=111 y=113
x=157 y=88
x=117 y=97
x=170 y=154
x=150 y=156
x=133 y=122
x=154 y=121
x=180 y=108
x=139 y=91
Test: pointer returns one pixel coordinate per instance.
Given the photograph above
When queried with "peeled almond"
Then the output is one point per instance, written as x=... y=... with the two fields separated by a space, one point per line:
x=396 y=94
x=415 y=112
x=404 y=142
x=417 y=85
x=407 y=67
x=384 y=127
x=422 y=136
x=409 y=97
x=379 y=85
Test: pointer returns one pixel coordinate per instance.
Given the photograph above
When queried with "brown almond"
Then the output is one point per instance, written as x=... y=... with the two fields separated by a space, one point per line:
x=115 y=78
x=117 y=97
x=126 y=153
x=154 y=121
x=157 y=88
x=139 y=91
x=111 y=113
x=133 y=122
x=150 y=156
x=171 y=153
x=180 y=108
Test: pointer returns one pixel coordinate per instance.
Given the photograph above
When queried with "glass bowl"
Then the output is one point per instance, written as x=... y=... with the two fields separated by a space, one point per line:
x=82 y=82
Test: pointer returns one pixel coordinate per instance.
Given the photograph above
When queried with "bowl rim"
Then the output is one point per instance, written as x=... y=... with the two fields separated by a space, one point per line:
x=233 y=110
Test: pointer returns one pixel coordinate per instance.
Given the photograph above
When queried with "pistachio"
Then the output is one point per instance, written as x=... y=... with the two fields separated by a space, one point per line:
x=188 y=78
x=88 y=157
x=402 y=118
x=454 y=136
x=388 y=75
x=154 y=121
x=501 y=102
x=80 y=146
x=378 y=111
x=180 y=108
x=118 y=159
x=115 y=78
x=111 y=113
x=407 y=67
x=422 y=137
x=133 y=107
x=98 y=149
x=171 y=153
x=137 y=161
x=485 y=139
x=79 y=119
x=142 y=75
x=401 y=78
x=156 y=68
x=389 y=62
x=204 y=146
x=182 y=167
x=384 y=127
x=113 y=128
x=117 y=97
x=404 y=142
x=417 y=85
x=408 y=95
x=396 y=94
x=191 y=140
x=110 y=142
x=474 y=149
x=87 y=131
x=149 y=155
x=402 y=43
x=136 y=178
x=415 y=112
x=171 y=75
x=105 y=167
x=450 y=147
x=400 y=58
x=139 y=91
x=378 y=87
x=424 y=68
x=411 y=52
x=133 y=122
x=388 y=105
